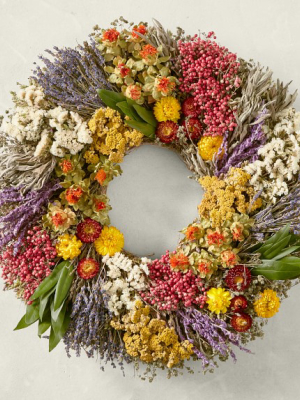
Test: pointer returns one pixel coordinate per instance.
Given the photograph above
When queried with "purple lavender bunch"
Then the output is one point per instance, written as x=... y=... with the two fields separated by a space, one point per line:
x=29 y=206
x=90 y=326
x=247 y=150
x=72 y=78
x=208 y=335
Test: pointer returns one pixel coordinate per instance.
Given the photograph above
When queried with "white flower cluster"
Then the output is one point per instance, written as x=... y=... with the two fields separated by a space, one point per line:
x=56 y=129
x=124 y=279
x=278 y=162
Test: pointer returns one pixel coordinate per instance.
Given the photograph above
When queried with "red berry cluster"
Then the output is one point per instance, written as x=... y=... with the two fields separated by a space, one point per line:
x=168 y=288
x=209 y=74
x=31 y=264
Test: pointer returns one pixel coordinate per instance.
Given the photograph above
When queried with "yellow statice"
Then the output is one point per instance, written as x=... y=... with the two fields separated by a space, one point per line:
x=223 y=198
x=110 y=241
x=91 y=157
x=167 y=109
x=218 y=300
x=150 y=339
x=208 y=146
x=268 y=304
x=68 y=247
x=111 y=136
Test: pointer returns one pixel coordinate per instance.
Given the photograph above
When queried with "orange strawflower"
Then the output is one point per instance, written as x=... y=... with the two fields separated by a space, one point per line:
x=179 y=261
x=73 y=195
x=66 y=166
x=100 y=176
x=111 y=35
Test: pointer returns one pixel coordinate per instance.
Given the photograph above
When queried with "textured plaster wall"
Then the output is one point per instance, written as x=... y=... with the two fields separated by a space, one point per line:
x=266 y=30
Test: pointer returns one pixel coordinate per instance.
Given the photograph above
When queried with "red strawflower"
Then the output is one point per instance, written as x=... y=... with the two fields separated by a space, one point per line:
x=241 y=322
x=111 y=35
x=88 y=230
x=238 y=278
x=73 y=195
x=193 y=128
x=188 y=107
x=238 y=303
x=166 y=131
x=88 y=268
x=140 y=29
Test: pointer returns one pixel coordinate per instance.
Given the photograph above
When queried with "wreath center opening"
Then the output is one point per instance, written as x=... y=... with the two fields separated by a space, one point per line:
x=153 y=200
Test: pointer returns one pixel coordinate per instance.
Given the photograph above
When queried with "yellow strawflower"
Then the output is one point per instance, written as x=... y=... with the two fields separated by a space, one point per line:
x=167 y=109
x=68 y=246
x=268 y=304
x=208 y=146
x=218 y=300
x=110 y=241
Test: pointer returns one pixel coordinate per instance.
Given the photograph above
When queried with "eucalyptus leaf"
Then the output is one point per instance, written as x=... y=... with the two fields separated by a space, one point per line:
x=48 y=282
x=146 y=115
x=146 y=129
x=63 y=286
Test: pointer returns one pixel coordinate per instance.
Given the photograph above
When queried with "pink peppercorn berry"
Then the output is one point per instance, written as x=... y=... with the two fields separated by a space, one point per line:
x=31 y=265
x=167 y=288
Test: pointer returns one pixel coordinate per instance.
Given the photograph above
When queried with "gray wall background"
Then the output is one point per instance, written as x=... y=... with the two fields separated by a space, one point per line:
x=152 y=201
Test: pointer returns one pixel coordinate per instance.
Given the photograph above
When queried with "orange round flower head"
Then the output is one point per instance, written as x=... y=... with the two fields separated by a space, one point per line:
x=179 y=261
x=58 y=219
x=215 y=238
x=229 y=257
x=204 y=267
x=66 y=166
x=148 y=52
x=99 y=205
x=140 y=29
x=123 y=70
x=88 y=268
x=166 y=131
x=73 y=195
x=134 y=92
x=111 y=35
x=165 y=86
x=100 y=176
x=241 y=322
x=191 y=232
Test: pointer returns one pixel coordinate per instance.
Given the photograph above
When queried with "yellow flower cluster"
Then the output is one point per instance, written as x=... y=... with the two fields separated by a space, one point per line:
x=218 y=300
x=68 y=246
x=268 y=304
x=150 y=339
x=225 y=197
x=110 y=241
x=91 y=157
x=111 y=136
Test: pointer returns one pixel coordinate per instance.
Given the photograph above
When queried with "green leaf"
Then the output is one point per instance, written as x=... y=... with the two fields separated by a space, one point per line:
x=146 y=115
x=286 y=268
x=146 y=129
x=23 y=324
x=44 y=301
x=276 y=248
x=55 y=337
x=63 y=286
x=57 y=317
x=128 y=110
x=286 y=252
x=44 y=324
x=48 y=282
x=32 y=314
x=111 y=98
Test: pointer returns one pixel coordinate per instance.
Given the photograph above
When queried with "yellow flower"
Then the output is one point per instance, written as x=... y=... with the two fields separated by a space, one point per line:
x=208 y=146
x=110 y=241
x=218 y=300
x=167 y=109
x=91 y=157
x=68 y=246
x=268 y=304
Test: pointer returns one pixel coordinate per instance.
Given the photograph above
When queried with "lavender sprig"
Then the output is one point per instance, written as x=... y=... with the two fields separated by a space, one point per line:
x=72 y=78
x=247 y=150
x=90 y=326
x=208 y=335
x=15 y=223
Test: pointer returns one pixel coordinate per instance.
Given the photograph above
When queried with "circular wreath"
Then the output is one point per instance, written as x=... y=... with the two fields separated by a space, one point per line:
x=61 y=145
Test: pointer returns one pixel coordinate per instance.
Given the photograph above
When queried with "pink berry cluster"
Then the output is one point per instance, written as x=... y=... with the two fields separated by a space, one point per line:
x=209 y=74
x=26 y=270
x=167 y=288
